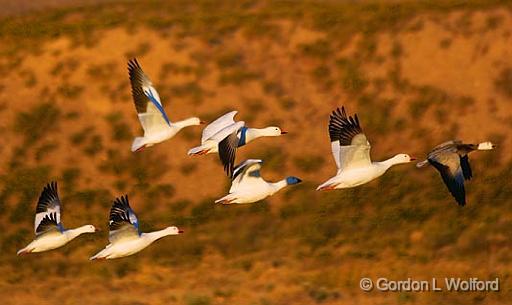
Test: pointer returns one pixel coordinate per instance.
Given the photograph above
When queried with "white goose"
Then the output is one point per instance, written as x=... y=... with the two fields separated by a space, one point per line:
x=248 y=186
x=155 y=122
x=224 y=136
x=452 y=162
x=50 y=234
x=351 y=152
x=124 y=236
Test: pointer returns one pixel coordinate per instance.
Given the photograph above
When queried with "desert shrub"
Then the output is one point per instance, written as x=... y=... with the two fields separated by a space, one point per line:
x=37 y=121
x=70 y=91
x=197 y=299
x=190 y=89
x=352 y=79
x=29 y=78
x=230 y=60
x=319 y=49
x=503 y=83
x=80 y=137
x=308 y=163
x=119 y=129
x=70 y=178
x=94 y=146
x=237 y=77
x=142 y=49
x=188 y=168
x=45 y=149
x=273 y=88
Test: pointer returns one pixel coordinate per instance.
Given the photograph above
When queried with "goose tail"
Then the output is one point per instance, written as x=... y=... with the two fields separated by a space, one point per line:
x=422 y=163
x=138 y=144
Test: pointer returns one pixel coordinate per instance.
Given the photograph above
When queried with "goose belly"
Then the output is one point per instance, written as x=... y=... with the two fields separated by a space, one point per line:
x=250 y=195
x=126 y=248
x=50 y=242
x=356 y=177
x=159 y=137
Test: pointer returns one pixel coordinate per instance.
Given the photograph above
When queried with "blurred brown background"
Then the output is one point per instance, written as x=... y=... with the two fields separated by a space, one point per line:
x=417 y=74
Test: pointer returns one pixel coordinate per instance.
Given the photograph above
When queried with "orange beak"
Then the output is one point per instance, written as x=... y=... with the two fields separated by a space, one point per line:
x=413 y=158
x=202 y=122
x=284 y=132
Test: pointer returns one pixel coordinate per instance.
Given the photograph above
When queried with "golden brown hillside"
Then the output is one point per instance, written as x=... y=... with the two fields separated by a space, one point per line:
x=417 y=74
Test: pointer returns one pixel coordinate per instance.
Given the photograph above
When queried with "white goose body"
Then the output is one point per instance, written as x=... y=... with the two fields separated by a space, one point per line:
x=50 y=234
x=153 y=119
x=129 y=246
x=224 y=136
x=54 y=240
x=249 y=187
x=124 y=236
x=351 y=152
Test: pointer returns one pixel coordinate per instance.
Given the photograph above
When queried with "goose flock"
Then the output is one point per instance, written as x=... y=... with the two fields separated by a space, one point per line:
x=350 y=149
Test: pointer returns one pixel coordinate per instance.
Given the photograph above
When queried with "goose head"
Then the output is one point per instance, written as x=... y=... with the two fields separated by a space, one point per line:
x=194 y=121
x=88 y=229
x=486 y=146
x=403 y=158
x=272 y=131
x=292 y=180
x=173 y=230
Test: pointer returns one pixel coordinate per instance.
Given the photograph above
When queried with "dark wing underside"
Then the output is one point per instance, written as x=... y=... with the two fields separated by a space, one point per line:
x=343 y=128
x=227 y=152
x=48 y=224
x=453 y=178
x=466 y=168
x=123 y=222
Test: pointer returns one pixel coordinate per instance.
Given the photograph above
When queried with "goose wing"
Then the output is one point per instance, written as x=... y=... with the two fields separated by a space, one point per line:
x=48 y=210
x=123 y=223
x=448 y=164
x=246 y=173
x=228 y=143
x=349 y=145
x=217 y=125
x=149 y=108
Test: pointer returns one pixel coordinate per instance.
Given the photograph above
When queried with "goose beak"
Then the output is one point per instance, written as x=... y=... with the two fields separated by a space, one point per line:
x=181 y=231
x=97 y=230
x=284 y=132
x=494 y=146
x=202 y=122
x=413 y=158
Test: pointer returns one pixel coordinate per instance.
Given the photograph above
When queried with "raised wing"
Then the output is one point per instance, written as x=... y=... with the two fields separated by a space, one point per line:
x=349 y=145
x=147 y=101
x=448 y=165
x=227 y=152
x=246 y=173
x=217 y=125
x=48 y=207
x=123 y=223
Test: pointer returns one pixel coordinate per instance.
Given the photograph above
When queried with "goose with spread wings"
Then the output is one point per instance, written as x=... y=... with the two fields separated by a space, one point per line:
x=351 y=152
x=248 y=186
x=50 y=234
x=155 y=122
x=451 y=160
x=125 y=236
x=224 y=136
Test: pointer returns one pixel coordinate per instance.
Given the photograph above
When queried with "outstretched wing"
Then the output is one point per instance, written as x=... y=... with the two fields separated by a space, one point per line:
x=227 y=152
x=448 y=165
x=349 y=145
x=49 y=208
x=151 y=113
x=246 y=173
x=217 y=125
x=466 y=168
x=123 y=223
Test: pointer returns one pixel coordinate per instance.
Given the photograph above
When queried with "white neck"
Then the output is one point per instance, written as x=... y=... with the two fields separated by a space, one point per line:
x=152 y=236
x=185 y=123
x=277 y=186
x=390 y=162
x=72 y=233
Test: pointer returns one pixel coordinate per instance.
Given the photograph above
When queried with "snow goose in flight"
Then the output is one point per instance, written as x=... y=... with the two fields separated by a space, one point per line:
x=248 y=186
x=224 y=136
x=452 y=162
x=351 y=152
x=124 y=236
x=155 y=122
x=50 y=234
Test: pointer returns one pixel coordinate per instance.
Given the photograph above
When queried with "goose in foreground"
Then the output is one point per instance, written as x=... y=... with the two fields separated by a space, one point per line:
x=224 y=136
x=155 y=122
x=351 y=152
x=248 y=186
x=124 y=236
x=452 y=162
x=50 y=234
